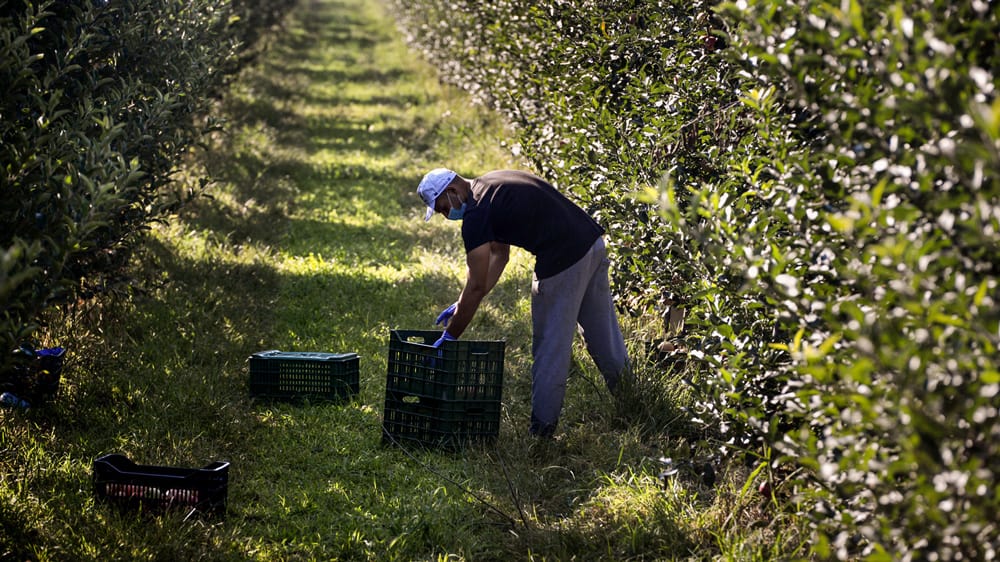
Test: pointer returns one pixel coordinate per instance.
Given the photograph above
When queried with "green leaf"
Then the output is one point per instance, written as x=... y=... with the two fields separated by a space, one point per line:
x=947 y=319
x=980 y=293
x=841 y=223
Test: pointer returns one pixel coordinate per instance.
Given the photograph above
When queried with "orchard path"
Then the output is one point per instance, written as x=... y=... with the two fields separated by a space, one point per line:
x=314 y=241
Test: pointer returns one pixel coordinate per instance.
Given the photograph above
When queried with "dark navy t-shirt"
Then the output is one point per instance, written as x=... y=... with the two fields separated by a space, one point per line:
x=523 y=210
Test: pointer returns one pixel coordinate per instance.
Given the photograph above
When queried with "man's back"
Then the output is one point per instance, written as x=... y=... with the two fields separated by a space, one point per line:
x=521 y=209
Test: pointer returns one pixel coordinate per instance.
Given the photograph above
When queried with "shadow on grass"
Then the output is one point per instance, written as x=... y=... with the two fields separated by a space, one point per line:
x=173 y=371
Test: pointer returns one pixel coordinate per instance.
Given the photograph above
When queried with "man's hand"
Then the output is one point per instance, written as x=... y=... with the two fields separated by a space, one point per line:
x=445 y=336
x=446 y=315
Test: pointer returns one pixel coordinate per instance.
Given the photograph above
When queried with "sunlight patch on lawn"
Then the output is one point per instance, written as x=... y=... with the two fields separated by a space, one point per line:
x=208 y=246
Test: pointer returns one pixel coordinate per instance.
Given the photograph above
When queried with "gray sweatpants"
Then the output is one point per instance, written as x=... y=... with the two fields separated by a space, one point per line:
x=578 y=298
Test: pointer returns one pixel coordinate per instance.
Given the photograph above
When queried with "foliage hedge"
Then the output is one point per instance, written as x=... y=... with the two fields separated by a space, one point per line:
x=103 y=98
x=818 y=185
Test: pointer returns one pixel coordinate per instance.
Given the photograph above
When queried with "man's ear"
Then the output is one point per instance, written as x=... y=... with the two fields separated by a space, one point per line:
x=456 y=186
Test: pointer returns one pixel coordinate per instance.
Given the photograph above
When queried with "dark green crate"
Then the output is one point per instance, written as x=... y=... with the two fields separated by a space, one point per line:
x=458 y=370
x=296 y=375
x=414 y=420
x=127 y=485
x=444 y=396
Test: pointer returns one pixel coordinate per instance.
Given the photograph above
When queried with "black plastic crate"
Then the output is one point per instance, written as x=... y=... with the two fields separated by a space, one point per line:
x=292 y=375
x=443 y=396
x=121 y=482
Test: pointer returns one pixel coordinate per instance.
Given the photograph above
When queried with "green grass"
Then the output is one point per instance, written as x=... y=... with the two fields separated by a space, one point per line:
x=313 y=240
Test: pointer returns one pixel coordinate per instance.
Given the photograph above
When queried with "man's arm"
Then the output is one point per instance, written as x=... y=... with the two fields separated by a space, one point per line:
x=499 y=255
x=485 y=265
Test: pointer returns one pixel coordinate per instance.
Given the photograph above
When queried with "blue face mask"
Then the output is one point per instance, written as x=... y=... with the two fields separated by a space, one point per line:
x=456 y=214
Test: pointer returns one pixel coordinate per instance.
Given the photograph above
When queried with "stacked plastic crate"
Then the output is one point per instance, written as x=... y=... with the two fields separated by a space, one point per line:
x=441 y=397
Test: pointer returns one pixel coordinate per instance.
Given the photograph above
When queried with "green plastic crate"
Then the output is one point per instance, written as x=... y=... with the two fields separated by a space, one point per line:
x=296 y=375
x=412 y=420
x=444 y=396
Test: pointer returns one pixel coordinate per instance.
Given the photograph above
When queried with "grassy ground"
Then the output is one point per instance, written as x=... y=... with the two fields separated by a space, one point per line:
x=313 y=240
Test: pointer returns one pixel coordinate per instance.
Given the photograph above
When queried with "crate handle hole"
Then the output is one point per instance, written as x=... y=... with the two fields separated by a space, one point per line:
x=411 y=399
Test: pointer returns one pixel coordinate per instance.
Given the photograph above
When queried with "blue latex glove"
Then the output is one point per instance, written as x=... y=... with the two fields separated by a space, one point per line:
x=445 y=336
x=446 y=315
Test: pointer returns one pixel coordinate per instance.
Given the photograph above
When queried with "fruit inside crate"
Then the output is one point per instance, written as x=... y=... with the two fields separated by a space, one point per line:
x=290 y=375
x=122 y=482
